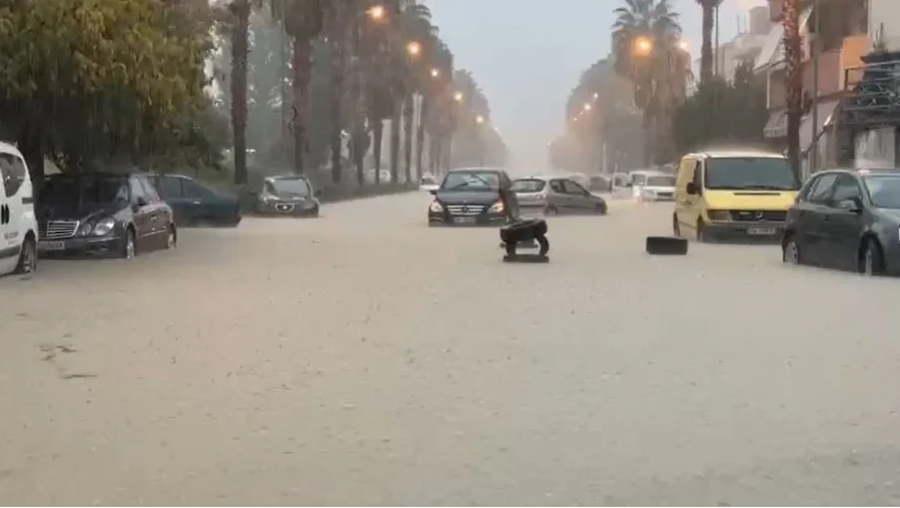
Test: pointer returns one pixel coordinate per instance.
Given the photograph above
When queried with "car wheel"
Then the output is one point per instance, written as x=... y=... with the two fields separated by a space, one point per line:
x=601 y=209
x=28 y=258
x=171 y=237
x=676 y=227
x=129 y=246
x=790 y=251
x=552 y=210
x=872 y=262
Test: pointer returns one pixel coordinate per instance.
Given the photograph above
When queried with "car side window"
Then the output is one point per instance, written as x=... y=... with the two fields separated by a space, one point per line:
x=820 y=189
x=193 y=189
x=170 y=187
x=149 y=190
x=13 y=172
x=557 y=186
x=698 y=175
x=572 y=187
x=137 y=191
x=846 y=188
x=638 y=180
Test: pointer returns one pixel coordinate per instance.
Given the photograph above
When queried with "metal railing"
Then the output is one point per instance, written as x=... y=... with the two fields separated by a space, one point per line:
x=872 y=94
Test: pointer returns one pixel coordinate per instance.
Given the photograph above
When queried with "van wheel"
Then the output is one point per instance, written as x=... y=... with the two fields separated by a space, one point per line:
x=676 y=228
x=28 y=258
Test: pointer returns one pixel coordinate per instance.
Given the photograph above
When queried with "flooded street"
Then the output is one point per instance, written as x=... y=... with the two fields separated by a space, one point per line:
x=364 y=358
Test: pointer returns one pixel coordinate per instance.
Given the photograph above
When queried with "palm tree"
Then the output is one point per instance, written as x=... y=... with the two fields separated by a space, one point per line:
x=239 y=25
x=706 y=50
x=340 y=15
x=434 y=86
x=794 y=79
x=646 y=37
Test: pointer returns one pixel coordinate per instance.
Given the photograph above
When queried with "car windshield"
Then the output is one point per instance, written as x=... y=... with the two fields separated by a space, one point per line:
x=472 y=181
x=884 y=190
x=528 y=185
x=76 y=190
x=288 y=186
x=750 y=173
x=661 y=181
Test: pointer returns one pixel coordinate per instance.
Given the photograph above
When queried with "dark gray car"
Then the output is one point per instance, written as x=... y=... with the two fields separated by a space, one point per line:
x=846 y=219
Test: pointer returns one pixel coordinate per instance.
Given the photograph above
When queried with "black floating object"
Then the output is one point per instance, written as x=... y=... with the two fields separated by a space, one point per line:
x=525 y=233
x=667 y=246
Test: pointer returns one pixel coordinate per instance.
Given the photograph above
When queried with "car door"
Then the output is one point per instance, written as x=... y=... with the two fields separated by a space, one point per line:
x=140 y=210
x=843 y=223
x=688 y=205
x=9 y=248
x=557 y=197
x=578 y=196
x=170 y=189
x=198 y=200
x=810 y=221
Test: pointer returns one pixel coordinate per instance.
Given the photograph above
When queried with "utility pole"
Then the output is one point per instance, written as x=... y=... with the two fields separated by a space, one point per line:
x=814 y=149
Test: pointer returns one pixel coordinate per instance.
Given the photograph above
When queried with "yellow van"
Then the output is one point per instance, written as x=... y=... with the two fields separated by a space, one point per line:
x=736 y=194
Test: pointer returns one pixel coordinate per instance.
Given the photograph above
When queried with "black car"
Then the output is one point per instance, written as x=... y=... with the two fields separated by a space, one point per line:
x=474 y=197
x=196 y=204
x=846 y=219
x=104 y=214
x=292 y=196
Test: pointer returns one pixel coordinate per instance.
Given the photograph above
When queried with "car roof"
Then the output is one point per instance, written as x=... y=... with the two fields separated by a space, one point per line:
x=286 y=177
x=469 y=170
x=722 y=154
x=861 y=171
x=9 y=148
x=124 y=174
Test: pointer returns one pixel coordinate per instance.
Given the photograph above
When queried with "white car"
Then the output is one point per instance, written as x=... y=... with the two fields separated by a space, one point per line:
x=428 y=183
x=658 y=188
x=18 y=225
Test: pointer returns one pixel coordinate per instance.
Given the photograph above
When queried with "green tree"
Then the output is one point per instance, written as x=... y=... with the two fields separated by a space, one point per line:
x=707 y=118
x=93 y=82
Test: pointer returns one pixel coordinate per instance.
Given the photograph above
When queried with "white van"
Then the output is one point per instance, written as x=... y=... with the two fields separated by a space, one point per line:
x=18 y=226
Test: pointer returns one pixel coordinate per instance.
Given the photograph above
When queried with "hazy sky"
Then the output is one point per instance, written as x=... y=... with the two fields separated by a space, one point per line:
x=528 y=54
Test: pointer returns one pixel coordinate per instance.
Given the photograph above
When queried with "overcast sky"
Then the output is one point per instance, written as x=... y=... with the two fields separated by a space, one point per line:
x=528 y=54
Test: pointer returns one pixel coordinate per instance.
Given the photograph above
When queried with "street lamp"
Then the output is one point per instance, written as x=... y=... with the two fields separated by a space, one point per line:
x=596 y=95
x=587 y=106
x=435 y=73
x=458 y=96
x=684 y=45
x=643 y=46
x=479 y=119
x=414 y=48
x=376 y=12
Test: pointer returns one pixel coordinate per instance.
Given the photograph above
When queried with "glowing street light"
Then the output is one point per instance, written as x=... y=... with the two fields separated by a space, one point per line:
x=479 y=119
x=587 y=107
x=458 y=96
x=596 y=95
x=435 y=73
x=377 y=12
x=684 y=45
x=414 y=48
x=643 y=46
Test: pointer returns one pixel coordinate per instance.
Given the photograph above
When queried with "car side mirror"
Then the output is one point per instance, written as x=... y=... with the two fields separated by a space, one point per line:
x=141 y=201
x=433 y=192
x=692 y=189
x=853 y=205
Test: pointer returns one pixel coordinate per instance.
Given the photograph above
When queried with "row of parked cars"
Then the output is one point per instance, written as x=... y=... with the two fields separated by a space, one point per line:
x=121 y=214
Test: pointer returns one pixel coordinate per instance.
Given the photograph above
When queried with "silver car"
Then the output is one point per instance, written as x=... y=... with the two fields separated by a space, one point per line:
x=552 y=196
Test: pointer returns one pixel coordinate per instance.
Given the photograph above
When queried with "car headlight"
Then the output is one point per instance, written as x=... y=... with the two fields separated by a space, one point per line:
x=435 y=207
x=104 y=227
x=497 y=207
x=86 y=229
x=721 y=215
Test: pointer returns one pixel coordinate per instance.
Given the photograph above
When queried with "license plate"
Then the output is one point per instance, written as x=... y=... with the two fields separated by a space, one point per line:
x=464 y=220
x=761 y=231
x=51 y=246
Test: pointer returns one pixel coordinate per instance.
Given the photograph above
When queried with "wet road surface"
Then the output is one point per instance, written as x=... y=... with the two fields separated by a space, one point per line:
x=364 y=358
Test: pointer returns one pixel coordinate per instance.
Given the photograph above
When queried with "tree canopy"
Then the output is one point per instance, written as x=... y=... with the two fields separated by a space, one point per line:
x=88 y=82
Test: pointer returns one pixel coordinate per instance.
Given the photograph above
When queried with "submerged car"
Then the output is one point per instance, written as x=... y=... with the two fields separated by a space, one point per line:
x=196 y=204
x=473 y=197
x=290 y=196
x=848 y=220
x=428 y=183
x=554 y=196
x=109 y=214
x=658 y=188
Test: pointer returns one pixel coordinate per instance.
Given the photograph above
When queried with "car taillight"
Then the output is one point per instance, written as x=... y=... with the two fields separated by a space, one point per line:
x=540 y=197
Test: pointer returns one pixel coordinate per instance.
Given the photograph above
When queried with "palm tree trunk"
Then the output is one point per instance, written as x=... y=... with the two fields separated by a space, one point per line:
x=408 y=111
x=706 y=51
x=395 y=145
x=378 y=140
x=240 y=48
x=301 y=63
x=420 y=138
x=794 y=80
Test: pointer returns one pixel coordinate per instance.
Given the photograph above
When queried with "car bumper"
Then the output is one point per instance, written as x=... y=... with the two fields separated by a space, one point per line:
x=485 y=219
x=84 y=246
x=288 y=209
x=658 y=197
x=749 y=230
